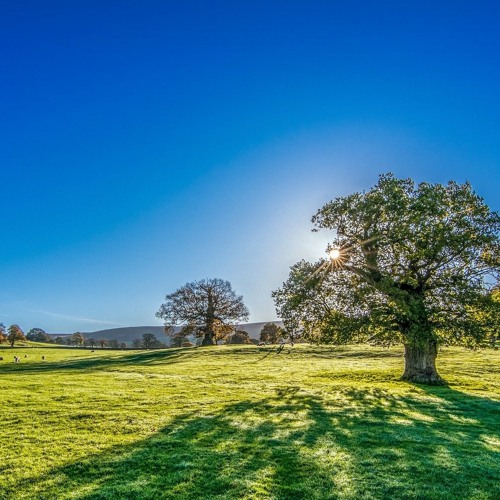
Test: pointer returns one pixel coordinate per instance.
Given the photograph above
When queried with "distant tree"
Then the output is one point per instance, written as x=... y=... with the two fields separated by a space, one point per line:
x=113 y=344
x=90 y=342
x=3 y=336
x=207 y=309
x=60 y=340
x=123 y=345
x=408 y=264
x=137 y=343
x=178 y=339
x=271 y=333
x=102 y=343
x=239 y=337
x=77 y=339
x=489 y=316
x=15 y=334
x=149 y=341
x=38 y=335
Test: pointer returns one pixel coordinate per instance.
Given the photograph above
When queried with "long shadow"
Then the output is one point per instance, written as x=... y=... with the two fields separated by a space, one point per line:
x=98 y=362
x=371 y=444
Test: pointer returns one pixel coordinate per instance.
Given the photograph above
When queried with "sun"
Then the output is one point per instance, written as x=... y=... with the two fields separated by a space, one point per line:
x=334 y=253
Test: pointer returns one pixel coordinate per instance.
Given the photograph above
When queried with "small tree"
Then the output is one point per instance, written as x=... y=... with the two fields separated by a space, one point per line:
x=60 y=340
x=113 y=344
x=177 y=339
x=149 y=340
x=137 y=343
x=38 y=335
x=271 y=333
x=15 y=334
x=102 y=343
x=208 y=309
x=3 y=336
x=77 y=339
x=408 y=264
x=240 y=337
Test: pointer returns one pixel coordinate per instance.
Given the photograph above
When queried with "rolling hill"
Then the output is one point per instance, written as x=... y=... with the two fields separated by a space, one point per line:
x=130 y=333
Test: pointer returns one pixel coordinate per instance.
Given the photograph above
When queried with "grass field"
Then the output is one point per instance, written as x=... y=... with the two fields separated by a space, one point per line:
x=245 y=422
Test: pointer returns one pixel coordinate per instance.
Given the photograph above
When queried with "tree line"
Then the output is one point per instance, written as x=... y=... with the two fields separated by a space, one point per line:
x=14 y=333
x=270 y=333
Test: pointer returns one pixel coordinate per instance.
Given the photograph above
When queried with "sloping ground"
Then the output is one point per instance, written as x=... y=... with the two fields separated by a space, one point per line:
x=232 y=422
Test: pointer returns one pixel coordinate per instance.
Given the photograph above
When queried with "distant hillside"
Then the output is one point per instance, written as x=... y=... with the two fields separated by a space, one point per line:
x=130 y=333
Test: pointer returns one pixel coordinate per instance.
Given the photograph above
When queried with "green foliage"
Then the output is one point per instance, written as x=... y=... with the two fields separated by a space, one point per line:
x=271 y=333
x=319 y=424
x=77 y=339
x=38 y=335
x=239 y=337
x=3 y=336
x=207 y=309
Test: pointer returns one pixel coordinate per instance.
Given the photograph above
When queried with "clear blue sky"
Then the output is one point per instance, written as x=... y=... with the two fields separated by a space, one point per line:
x=147 y=144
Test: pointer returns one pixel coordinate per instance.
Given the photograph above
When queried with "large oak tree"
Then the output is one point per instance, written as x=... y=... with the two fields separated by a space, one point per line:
x=207 y=308
x=410 y=264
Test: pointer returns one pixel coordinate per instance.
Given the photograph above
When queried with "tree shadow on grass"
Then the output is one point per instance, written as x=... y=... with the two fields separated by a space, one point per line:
x=353 y=443
x=99 y=362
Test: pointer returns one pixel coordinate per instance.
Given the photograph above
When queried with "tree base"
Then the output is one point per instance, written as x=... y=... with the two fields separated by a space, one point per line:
x=420 y=365
x=424 y=379
x=207 y=340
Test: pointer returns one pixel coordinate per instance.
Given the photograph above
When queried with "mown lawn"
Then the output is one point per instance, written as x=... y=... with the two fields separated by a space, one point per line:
x=245 y=422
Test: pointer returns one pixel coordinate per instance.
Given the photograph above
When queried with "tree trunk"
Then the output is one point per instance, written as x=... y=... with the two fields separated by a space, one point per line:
x=420 y=364
x=208 y=339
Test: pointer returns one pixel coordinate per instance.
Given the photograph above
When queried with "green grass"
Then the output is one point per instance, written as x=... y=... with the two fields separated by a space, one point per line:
x=244 y=422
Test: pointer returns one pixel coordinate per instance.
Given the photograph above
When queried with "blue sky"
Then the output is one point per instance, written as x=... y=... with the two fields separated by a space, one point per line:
x=147 y=144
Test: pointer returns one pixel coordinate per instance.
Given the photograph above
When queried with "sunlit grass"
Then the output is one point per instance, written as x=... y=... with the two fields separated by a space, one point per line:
x=245 y=422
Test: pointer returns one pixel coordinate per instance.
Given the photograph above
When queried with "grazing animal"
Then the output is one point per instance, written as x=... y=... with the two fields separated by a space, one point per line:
x=1 y=358
x=16 y=359
x=25 y=355
x=43 y=357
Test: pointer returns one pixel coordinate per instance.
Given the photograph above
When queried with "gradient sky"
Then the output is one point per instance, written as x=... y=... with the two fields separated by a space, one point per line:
x=147 y=144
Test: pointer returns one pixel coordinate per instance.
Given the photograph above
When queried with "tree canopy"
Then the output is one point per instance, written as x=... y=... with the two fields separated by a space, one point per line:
x=411 y=264
x=207 y=308
x=38 y=335
x=271 y=333
x=15 y=333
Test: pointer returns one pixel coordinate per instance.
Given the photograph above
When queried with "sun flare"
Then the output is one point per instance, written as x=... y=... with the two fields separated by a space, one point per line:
x=334 y=253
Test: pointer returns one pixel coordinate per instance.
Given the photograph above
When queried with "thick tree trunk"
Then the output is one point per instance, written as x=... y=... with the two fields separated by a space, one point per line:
x=208 y=339
x=420 y=364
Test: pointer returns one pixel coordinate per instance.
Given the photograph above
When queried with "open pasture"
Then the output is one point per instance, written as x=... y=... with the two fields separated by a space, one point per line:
x=245 y=422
